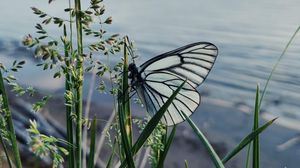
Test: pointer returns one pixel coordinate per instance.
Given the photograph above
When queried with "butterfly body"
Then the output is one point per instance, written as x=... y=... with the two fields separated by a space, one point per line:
x=157 y=79
x=134 y=75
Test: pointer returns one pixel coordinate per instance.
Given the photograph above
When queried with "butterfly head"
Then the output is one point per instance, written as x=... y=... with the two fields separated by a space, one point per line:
x=132 y=68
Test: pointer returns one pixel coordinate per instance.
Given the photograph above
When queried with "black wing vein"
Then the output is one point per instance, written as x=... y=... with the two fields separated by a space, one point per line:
x=164 y=73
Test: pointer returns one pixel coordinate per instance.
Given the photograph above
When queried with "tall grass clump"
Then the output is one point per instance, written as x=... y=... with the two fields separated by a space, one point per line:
x=7 y=127
x=68 y=55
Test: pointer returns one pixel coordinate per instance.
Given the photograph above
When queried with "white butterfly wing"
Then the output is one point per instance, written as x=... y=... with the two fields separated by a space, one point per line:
x=163 y=74
x=157 y=90
x=192 y=62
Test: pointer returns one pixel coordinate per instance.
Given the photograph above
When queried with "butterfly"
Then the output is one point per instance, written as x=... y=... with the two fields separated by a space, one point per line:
x=157 y=79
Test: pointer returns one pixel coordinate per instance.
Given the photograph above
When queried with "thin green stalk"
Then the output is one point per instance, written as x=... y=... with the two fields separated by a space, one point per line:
x=91 y=162
x=123 y=98
x=255 y=157
x=103 y=137
x=248 y=155
x=124 y=114
x=126 y=101
x=111 y=158
x=166 y=148
x=69 y=88
x=71 y=27
x=276 y=64
x=79 y=85
x=125 y=146
x=5 y=151
x=186 y=164
x=8 y=120
x=86 y=115
x=215 y=158
x=258 y=103
x=248 y=139
x=68 y=107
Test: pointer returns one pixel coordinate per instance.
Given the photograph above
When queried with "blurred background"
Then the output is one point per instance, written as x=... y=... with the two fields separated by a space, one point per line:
x=250 y=37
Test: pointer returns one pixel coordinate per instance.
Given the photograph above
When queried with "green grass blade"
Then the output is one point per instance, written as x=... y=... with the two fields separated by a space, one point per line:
x=215 y=158
x=166 y=148
x=111 y=158
x=258 y=105
x=126 y=100
x=68 y=108
x=124 y=138
x=246 y=141
x=153 y=123
x=6 y=152
x=9 y=122
x=276 y=64
x=248 y=155
x=255 y=157
x=91 y=162
x=186 y=164
x=125 y=115
x=79 y=82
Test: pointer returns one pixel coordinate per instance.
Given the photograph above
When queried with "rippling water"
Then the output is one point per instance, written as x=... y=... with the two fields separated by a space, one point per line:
x=249 y=35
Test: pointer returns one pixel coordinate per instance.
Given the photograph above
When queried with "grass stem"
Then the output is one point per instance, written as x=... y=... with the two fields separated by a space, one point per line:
x=91 y=162
x=255 y=157
x=126 y=101
x=276 y=64
x=69 y=108
x=9 y=122
x=79 y=85
x=6 y=152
